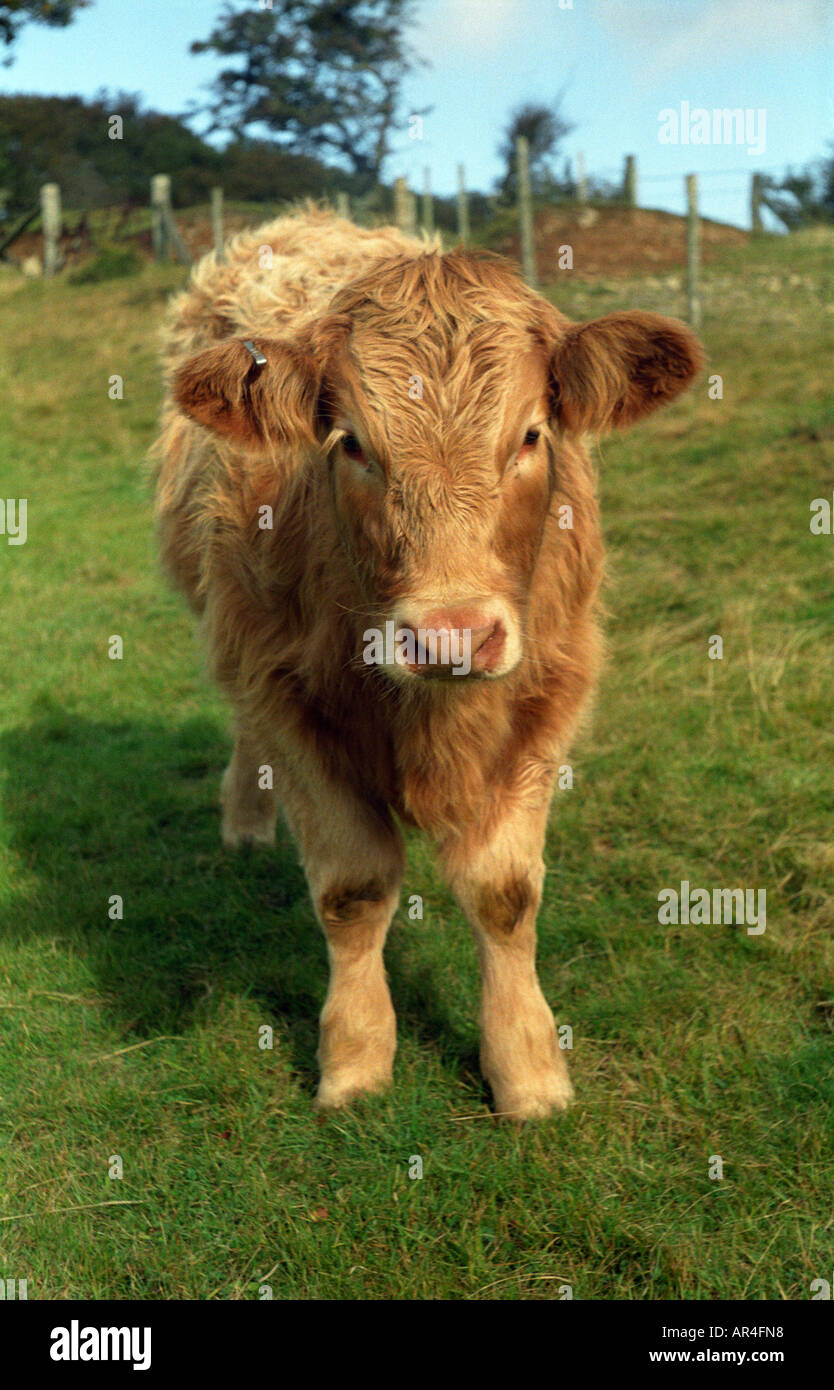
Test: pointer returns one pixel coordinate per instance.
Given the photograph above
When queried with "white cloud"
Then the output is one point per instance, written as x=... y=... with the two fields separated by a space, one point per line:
x=475 y=26
x=672 y=33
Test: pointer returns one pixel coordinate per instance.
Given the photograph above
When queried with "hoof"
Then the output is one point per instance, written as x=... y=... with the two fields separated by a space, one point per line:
x=236 y=836
x=535 y=1102
x=336 y=1092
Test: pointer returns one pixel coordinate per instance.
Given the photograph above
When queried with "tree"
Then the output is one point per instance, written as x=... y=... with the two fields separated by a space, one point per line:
x=801 y=199
x=15 y=13
x=545 y=128
x=324 y=76
x=65 y=140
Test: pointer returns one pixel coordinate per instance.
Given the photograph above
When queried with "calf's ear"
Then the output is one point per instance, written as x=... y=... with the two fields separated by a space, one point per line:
x=257 y=392
x=609 y=372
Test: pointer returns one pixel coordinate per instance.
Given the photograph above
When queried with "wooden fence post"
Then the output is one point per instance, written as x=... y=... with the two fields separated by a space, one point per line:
x=181 y=251
x=217 y=221
x=160 y=200
x=693 y=252
x=463 y=207
x=401 y=204
x=51 y=223
x=756 y=203
x=428 y=204
x=165 y=235
x=630 y=181
x=525 y=210
x=581 y=181
x=343 y=205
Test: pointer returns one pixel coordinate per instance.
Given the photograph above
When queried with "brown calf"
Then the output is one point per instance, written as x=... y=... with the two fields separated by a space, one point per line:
x=373 y=489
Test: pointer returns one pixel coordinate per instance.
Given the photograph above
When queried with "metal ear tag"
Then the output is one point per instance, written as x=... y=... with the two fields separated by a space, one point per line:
x=256 y=352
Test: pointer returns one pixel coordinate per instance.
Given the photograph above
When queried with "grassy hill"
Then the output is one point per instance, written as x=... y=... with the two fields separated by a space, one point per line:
x=139 y=1037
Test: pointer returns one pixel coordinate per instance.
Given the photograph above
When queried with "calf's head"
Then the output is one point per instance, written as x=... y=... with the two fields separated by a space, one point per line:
x=443 y=401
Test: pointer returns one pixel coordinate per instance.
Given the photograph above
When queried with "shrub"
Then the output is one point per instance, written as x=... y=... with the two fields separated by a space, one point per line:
x=109 y=263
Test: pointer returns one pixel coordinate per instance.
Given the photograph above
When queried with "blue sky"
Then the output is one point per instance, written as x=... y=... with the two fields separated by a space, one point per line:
x=619 y=62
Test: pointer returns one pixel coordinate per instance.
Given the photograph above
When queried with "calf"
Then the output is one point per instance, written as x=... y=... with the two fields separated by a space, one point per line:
x=374 y=491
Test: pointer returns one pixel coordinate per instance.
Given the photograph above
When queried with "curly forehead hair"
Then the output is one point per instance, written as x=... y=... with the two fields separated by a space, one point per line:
x=442 y=332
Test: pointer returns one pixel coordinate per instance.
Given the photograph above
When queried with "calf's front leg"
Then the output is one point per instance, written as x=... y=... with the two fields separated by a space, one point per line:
x=358 y=1036
x=497 y=880
x=353 y=858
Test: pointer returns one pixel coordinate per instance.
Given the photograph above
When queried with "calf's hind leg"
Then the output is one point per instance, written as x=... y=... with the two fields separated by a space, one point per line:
x=249 y=810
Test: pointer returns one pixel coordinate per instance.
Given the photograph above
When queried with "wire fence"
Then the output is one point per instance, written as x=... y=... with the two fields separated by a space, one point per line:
x=47 y=239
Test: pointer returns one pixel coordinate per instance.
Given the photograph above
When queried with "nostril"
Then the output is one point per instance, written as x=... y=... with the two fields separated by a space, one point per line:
x=479 y=636
x=486 y=652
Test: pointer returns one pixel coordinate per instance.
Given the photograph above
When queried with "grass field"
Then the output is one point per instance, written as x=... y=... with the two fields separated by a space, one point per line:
x=139 y=1037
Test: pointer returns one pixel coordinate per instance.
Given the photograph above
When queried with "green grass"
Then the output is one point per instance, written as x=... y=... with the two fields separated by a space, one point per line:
x=139 y=1037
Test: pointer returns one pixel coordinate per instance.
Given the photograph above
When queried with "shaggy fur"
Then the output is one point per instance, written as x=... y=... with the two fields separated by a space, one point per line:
x=387 y=441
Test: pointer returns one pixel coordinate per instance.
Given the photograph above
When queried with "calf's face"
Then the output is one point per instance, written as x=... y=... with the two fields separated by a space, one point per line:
x=441 y=477
x=436 y=394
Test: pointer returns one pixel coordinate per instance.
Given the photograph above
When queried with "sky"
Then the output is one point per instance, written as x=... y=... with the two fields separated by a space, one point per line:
x=621 y=65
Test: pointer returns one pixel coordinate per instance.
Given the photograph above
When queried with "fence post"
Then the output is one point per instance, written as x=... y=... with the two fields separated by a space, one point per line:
x=217 y=221
x=428 y=204
x=581 y=181
x=756 y=203
x=630 y=181
x=165 y=235
x=51 y=222
x=343 y=205
x=401 y=204
x=525 y=210
x=693 y=252
x=463 y=207
x=160 y=202
x=181 y=251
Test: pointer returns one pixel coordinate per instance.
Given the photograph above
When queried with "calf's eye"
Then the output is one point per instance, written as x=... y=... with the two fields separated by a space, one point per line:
x=353 y=448
x=531 y=437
